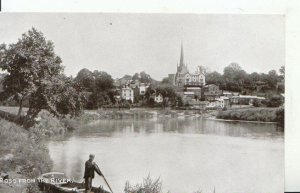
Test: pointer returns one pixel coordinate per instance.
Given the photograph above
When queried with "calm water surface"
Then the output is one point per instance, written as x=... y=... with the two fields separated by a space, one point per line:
x=188 y=154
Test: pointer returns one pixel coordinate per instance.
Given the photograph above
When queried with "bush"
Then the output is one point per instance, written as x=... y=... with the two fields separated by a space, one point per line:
x=27 y=155
x=48 y=125
x=275 y=101
x=147 y=186
x=253 y=114
x=280 y=116
x=256 y=103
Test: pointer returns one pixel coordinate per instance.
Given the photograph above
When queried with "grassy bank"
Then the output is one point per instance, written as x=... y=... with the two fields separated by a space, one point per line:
x=22 y=155
x=263 y=114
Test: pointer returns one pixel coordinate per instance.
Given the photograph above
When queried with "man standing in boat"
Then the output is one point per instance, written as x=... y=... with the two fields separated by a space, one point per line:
x=89 y=173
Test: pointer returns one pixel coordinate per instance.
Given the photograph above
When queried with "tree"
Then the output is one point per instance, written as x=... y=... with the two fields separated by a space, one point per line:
x=214 y=78
x=85 y=79
x=275 y=101
x=34 y=72
x=282 y=71
x=98 y=85
x=166 y=81
x=272 y=78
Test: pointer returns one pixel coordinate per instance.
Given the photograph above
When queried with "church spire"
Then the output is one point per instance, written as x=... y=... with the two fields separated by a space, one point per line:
x=181 y=56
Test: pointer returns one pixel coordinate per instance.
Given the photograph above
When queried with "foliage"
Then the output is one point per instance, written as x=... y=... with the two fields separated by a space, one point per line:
x=252 y=114
x=147 y=186
x=256 y=103
x=99 y=85
x=214 y=78
x=280 y=116
x=142 y=77
x=275 y=101
x=166 y=81
x=35 y=73
x=235 y=79
x=26 y=155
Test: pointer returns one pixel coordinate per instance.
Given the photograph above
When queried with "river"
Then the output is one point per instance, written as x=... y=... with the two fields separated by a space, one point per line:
x=188 y=154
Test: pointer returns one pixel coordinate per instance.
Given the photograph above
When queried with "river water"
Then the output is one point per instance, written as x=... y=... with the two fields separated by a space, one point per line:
x=188 y=154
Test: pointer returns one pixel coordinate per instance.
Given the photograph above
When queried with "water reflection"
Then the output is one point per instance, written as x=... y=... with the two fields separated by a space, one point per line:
x=198 y=126
x=188 y=154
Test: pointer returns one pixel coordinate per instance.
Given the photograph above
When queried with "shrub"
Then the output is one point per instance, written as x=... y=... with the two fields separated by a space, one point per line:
x=147 y=186
x=275 y=101
x=48 y=125
x=280 y=116
x=256 y=103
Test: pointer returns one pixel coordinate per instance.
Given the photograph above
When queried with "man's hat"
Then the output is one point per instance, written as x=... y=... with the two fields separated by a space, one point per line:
x=92 y=155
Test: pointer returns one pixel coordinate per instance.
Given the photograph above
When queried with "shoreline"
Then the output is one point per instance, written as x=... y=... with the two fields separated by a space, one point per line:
x=242 y=121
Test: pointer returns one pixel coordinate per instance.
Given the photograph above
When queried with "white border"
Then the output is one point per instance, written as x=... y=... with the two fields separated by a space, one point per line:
x=291 y=9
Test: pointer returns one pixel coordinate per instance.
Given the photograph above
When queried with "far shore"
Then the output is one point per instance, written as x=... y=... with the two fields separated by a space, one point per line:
x=247 y=114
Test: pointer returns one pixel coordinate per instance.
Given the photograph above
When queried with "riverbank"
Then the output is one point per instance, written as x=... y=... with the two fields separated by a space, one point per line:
x=262 y=114
x=34 y=159
x=23 y=155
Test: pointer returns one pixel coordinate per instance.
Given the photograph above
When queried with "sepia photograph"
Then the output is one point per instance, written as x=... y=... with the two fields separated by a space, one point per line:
x=142 y=103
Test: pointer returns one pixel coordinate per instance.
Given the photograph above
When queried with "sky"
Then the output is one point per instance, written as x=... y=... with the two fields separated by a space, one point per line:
x=128 y=43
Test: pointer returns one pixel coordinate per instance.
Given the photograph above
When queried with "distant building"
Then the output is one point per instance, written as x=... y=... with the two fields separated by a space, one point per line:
x=211 y=92
x=127 y=94
x=143 y=88
x=196 y=90
x=184 y=78
x=158 y=98
x=134 y=83
x=227 y=93
x=245 y=99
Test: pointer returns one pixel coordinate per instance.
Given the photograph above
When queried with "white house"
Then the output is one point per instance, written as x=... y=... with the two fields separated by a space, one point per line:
x=127 y=94
x=143 y=88
x=158 y=98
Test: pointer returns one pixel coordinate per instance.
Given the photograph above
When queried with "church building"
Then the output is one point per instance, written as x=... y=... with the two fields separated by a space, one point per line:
x=183 y=78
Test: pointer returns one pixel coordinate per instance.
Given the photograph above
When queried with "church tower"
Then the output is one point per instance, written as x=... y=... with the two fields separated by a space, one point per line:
x=182 y=68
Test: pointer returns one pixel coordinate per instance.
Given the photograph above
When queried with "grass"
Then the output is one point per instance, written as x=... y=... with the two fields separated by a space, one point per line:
x=262 y=114
x=149 y=185
x=22 y=154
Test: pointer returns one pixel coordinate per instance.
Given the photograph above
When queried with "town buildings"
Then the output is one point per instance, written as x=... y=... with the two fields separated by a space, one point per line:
x=183 y=78
x=127 y=94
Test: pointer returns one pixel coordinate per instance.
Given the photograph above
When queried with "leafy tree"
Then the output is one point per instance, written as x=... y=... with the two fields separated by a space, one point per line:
x=272 y=78
x=136 y=76
x=282 y=71
x=103 y=81
x=275 y=101
x=34 y=72
x=85 y=78
x=165 y=81
x=100 y=86
x=214 y=78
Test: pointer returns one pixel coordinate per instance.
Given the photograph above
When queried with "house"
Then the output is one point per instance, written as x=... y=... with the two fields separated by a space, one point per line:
x=223 y=101
x=158 y=98
x=184 y=78
x=196 y=90
x=188 y=97
x=143 y=88
x=227 y=93
x=197 y=104
x=127 y=94
x=218 y=103
x=245 y=99
x=211 y=92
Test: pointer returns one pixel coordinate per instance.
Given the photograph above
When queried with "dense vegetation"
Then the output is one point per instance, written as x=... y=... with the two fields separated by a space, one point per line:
x=35 y=75
x=234 y=78
x=254 y=114
x=22 y=155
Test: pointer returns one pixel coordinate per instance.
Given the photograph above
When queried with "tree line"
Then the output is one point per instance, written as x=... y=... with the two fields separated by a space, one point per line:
x=234 y=78
x=34 y=77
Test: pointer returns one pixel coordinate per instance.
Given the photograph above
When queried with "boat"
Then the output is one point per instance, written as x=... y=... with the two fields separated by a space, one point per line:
x=57 y=182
